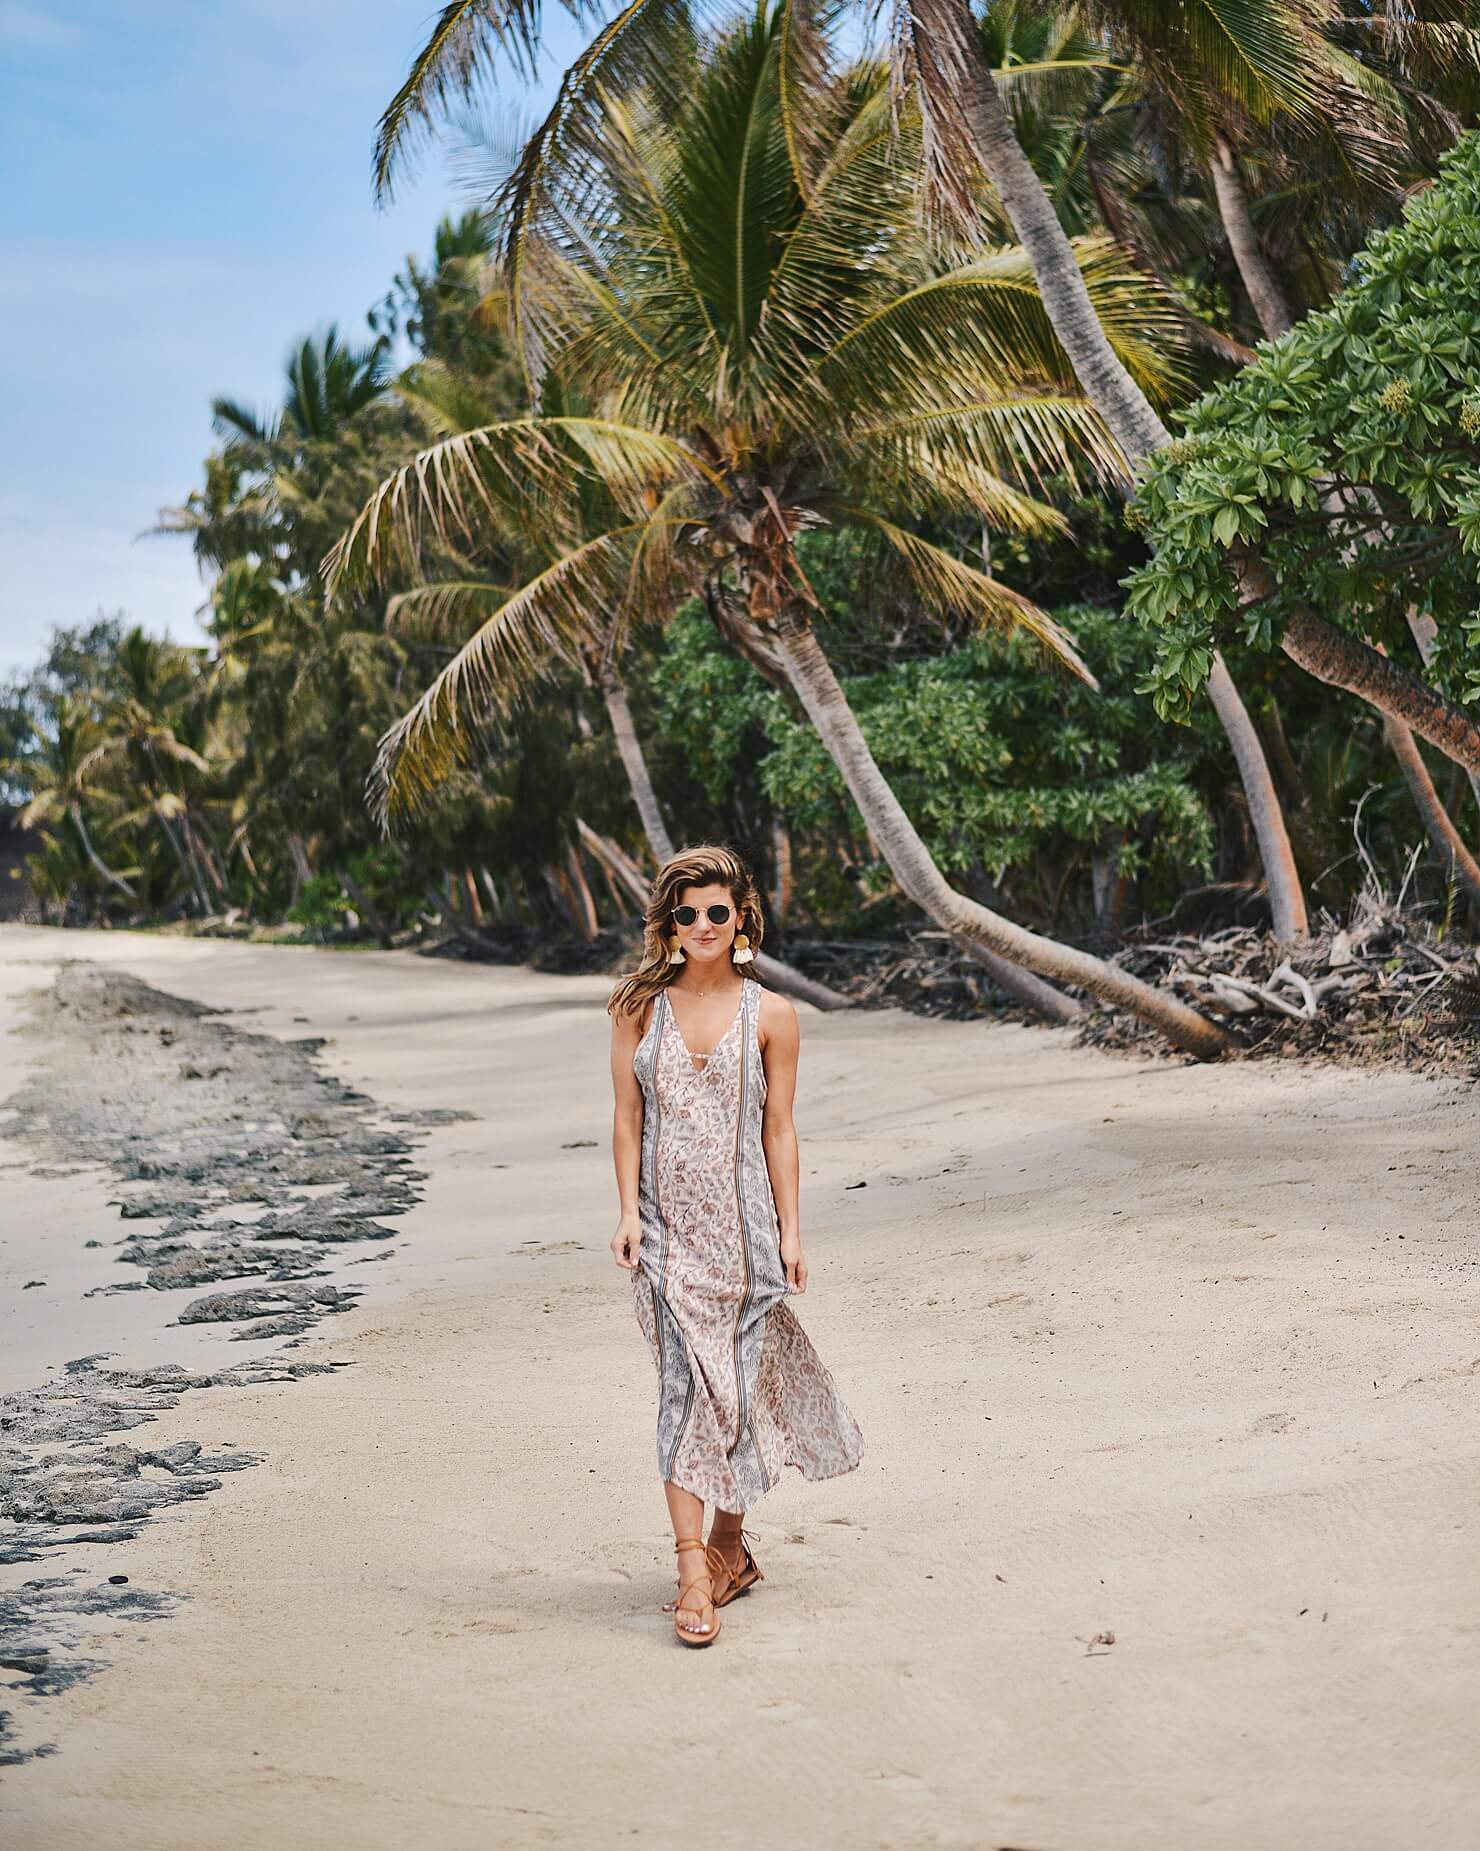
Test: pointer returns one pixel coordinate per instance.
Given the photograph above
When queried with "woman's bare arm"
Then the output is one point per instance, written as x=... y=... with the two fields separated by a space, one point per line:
x=626 y=1137
x=781 y=1040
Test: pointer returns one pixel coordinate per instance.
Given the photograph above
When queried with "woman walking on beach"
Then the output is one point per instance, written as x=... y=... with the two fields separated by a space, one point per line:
x=708 y=1174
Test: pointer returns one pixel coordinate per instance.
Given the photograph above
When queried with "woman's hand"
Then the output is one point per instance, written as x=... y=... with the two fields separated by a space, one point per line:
x=626 y=1242
x=791 y=1259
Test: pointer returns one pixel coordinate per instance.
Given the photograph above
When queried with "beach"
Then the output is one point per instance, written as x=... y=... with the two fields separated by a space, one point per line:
x=1165 y=1535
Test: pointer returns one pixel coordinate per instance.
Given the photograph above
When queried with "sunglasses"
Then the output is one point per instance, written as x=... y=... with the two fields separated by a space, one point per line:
x=686 y=915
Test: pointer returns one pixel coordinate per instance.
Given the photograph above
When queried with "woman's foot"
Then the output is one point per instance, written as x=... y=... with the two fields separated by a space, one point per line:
x=694 y=1617
x=730 y=1553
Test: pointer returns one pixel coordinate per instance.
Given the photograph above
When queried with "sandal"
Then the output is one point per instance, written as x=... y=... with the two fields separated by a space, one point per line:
x=705 y=1634
x=733 y=1584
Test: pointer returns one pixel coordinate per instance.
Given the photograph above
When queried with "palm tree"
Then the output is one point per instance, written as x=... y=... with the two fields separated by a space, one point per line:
x=140 y=721
x=942 y=53
x=63 y=785
x=762 y=356
x=1257 y=52
x=327 y=382
x=447 y=402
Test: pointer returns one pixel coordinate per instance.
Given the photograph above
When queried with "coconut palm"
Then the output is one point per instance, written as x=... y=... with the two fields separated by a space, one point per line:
x=637 y=45
x=64 y=784
x=145 y=718
x=762 y=355
x=1254 y=54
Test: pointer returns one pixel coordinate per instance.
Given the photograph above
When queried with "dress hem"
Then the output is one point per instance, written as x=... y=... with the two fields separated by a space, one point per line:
x=812 y=1478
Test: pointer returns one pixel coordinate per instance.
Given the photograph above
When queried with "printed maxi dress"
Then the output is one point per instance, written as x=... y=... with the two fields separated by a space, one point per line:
x=741 y=1391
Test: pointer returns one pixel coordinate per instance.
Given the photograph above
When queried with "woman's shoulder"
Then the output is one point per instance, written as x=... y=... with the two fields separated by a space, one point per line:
x=777 y=1013
x=634 y=1021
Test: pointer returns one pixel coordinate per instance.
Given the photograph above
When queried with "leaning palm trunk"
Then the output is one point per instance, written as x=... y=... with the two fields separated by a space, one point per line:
x=1449 y=845
x=190 y=880
x=116 y=880
x=1042 y=998
x=914 y=868
x=1342 y=661
x=634 y=763
x=1425 y=633
x=1286 y=896
x=1125 y=408
x=778 y=975
x=1254 y=268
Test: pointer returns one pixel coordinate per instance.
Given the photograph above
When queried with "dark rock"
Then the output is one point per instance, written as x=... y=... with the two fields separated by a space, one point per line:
x=258 y=1123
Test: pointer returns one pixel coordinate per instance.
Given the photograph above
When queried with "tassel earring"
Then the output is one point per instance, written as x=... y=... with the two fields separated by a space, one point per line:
x=675 y=951
x=742 y=953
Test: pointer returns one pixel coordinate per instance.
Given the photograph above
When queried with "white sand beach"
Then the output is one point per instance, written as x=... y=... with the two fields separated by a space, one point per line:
x=1167 y=1534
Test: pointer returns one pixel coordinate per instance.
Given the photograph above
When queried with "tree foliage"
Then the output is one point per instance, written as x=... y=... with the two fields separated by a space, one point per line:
x=1350 y=453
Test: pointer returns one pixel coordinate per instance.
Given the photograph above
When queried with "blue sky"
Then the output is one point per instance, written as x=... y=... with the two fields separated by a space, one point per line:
x=187 y=191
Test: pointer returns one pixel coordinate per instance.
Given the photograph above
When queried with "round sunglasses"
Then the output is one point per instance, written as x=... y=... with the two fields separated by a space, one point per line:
x=686 y=915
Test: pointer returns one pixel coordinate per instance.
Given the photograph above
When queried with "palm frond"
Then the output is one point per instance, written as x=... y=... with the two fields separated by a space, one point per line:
x=947 y=585
x=548 y=619
x=1258 y=56
x=461 y=54
x=937 y=59
x=804 y=73
x=983 y=453
x=648 y=43
x=520 y=478
x=981 y=329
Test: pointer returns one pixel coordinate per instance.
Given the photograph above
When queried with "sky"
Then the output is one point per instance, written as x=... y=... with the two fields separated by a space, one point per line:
x=187 y=193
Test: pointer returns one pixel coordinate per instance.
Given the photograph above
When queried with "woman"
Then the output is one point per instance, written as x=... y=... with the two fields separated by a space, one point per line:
x=707 y=1174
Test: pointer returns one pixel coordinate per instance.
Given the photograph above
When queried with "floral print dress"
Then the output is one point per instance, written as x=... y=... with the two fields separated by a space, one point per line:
x=741 y=1391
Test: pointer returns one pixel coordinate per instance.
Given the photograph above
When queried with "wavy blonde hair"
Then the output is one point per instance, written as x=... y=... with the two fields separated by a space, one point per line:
x=703 y=866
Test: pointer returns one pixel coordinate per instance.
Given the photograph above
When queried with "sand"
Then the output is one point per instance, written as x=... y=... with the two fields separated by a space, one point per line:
x=1167 y=1534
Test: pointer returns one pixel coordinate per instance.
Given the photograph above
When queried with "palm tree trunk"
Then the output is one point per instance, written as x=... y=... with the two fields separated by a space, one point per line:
x=1282 y=877
x=302 y=866
x=1125 y=408
x=365 y=907
x=1254 y=267
x=634 y=762
x=1425 y=633
x=191 y=880
x=1032 y=992
x=771 y=970
x=781 y=848
x=914 y=868
x=1450 y=846
x=116 y=880
x=581 y=888
x=1344 y=661
x=200 y=858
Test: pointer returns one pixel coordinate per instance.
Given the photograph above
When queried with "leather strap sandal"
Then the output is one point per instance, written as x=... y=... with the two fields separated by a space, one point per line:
x=733 y=1583
x=707 y=1631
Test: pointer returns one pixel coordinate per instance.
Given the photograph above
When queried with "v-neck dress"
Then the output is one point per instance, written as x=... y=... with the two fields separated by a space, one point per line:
x=741 y=1391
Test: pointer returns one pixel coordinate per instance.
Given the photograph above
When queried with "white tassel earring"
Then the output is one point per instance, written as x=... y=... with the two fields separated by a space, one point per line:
x=675 y=951
x=742 y=954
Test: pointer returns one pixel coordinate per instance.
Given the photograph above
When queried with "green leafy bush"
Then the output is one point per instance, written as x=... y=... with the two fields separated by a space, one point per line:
x=1008 y=772
x=1348 y=454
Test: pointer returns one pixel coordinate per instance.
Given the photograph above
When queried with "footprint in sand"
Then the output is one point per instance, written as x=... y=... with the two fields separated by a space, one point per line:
x=536 y=1249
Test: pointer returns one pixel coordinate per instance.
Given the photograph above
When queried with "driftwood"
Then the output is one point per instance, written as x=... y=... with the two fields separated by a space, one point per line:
x=1390 y=983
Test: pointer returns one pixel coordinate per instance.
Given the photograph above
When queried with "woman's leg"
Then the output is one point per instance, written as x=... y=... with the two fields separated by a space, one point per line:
x=686 y=1512
x=724 y=1535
